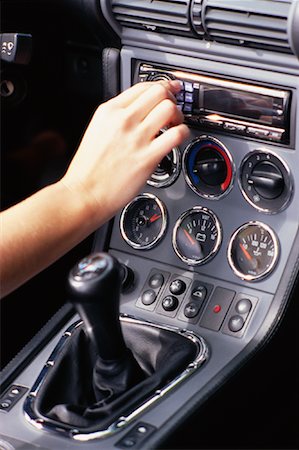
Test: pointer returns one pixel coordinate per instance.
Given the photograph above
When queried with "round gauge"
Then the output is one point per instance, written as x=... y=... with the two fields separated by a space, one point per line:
x=253 y=251
x=197 y=236
x=143 y=221
x=208 y=167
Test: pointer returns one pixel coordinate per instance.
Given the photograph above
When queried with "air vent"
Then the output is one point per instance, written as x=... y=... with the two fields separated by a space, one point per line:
x=168 y=16
x=196 y=12
x=258 y=24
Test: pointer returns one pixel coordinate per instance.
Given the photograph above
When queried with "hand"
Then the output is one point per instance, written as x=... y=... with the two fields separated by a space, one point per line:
x=121 y=146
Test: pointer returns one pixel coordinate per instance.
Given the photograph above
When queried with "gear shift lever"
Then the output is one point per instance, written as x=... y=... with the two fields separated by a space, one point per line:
x=95 y=284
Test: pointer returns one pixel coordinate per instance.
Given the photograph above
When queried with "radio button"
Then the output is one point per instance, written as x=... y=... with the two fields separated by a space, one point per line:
x=180 y=97
x=212 y=123
x=275 y=135
x=234 y=127
x=188 y=86
x=188 y=97
x=188 y=108
x=257 y=132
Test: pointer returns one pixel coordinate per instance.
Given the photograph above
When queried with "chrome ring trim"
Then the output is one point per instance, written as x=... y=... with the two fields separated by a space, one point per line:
x=162 y=183
x=276 y=252
x=163 y=209
x=189 y=181
x=289 y=179
x=189 y=261
x=52 y=426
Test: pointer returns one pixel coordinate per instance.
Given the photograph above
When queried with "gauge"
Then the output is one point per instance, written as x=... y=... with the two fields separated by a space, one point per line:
x=208 y=167
x=143 y=221
x=197 y=236
x=253 y=251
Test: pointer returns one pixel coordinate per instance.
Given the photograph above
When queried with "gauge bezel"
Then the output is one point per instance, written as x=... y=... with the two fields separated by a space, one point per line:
x=289 y=179
x=164 y=218
x=185 y=171
x=191 y=261
x=172 y=178
x=275 y=240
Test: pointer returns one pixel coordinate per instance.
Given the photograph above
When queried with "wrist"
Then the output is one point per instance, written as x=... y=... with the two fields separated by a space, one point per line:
x=81 y=204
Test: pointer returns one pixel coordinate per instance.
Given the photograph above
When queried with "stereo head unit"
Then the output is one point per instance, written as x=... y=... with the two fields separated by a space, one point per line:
x=233 y=106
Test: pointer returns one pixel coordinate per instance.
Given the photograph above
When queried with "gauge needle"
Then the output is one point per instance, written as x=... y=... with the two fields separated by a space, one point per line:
x=246 y=253
x=154 y=218
x=191 y=240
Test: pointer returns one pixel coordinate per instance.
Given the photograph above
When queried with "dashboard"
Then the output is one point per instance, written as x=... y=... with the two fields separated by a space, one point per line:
x=212 y=238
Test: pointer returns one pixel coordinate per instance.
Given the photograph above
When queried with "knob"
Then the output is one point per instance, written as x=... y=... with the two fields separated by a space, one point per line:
x=210 y=167
x=156 y=76
x=95 y=284
x=267 y=180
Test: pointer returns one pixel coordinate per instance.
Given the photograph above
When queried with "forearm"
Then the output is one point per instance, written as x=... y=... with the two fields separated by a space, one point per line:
x=41 y=229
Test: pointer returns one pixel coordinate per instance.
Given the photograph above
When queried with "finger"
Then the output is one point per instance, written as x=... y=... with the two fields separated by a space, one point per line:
x=163 y=143
x=143 y=105
x=131 y=94
x=164 y=114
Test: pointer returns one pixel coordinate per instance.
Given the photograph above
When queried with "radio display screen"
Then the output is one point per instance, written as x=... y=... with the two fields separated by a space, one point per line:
x=241 y=104
x=234 y=106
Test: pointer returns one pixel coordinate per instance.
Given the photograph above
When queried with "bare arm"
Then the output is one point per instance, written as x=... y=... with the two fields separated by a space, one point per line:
x=119 y=151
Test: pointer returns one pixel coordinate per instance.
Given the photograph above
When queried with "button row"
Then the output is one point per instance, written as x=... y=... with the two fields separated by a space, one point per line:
x=261 y=133
x=11 y=396
x=177 y=296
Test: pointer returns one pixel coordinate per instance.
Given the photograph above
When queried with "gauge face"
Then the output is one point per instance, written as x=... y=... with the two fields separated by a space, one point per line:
x=253 y=251
x=197 y=236
x=143 y=222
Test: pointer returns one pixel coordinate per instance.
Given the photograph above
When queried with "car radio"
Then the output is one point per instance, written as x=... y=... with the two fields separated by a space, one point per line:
x=232 y=106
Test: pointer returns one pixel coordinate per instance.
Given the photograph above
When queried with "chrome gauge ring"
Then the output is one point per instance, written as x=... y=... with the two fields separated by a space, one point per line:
x=197 y=236
x=266 y=181
x=208 y=168
x=143 y=222
x=167 y=170
x=253 y=251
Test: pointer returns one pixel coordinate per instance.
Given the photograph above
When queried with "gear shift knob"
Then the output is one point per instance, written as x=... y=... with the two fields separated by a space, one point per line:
x=95 y=285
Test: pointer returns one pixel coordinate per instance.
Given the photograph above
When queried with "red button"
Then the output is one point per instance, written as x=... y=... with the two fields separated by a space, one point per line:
x=217 y=309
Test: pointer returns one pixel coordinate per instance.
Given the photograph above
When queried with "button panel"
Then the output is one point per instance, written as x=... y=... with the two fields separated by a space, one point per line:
x=193 y=301
x=217 y=308
x=11 y=396
x=151 y=289
x=239 y=315
x=195 y=298
x=136 y=436
x=176 y=288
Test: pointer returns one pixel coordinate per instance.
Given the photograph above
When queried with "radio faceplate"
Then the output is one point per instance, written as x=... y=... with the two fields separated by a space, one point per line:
x=231 y=106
